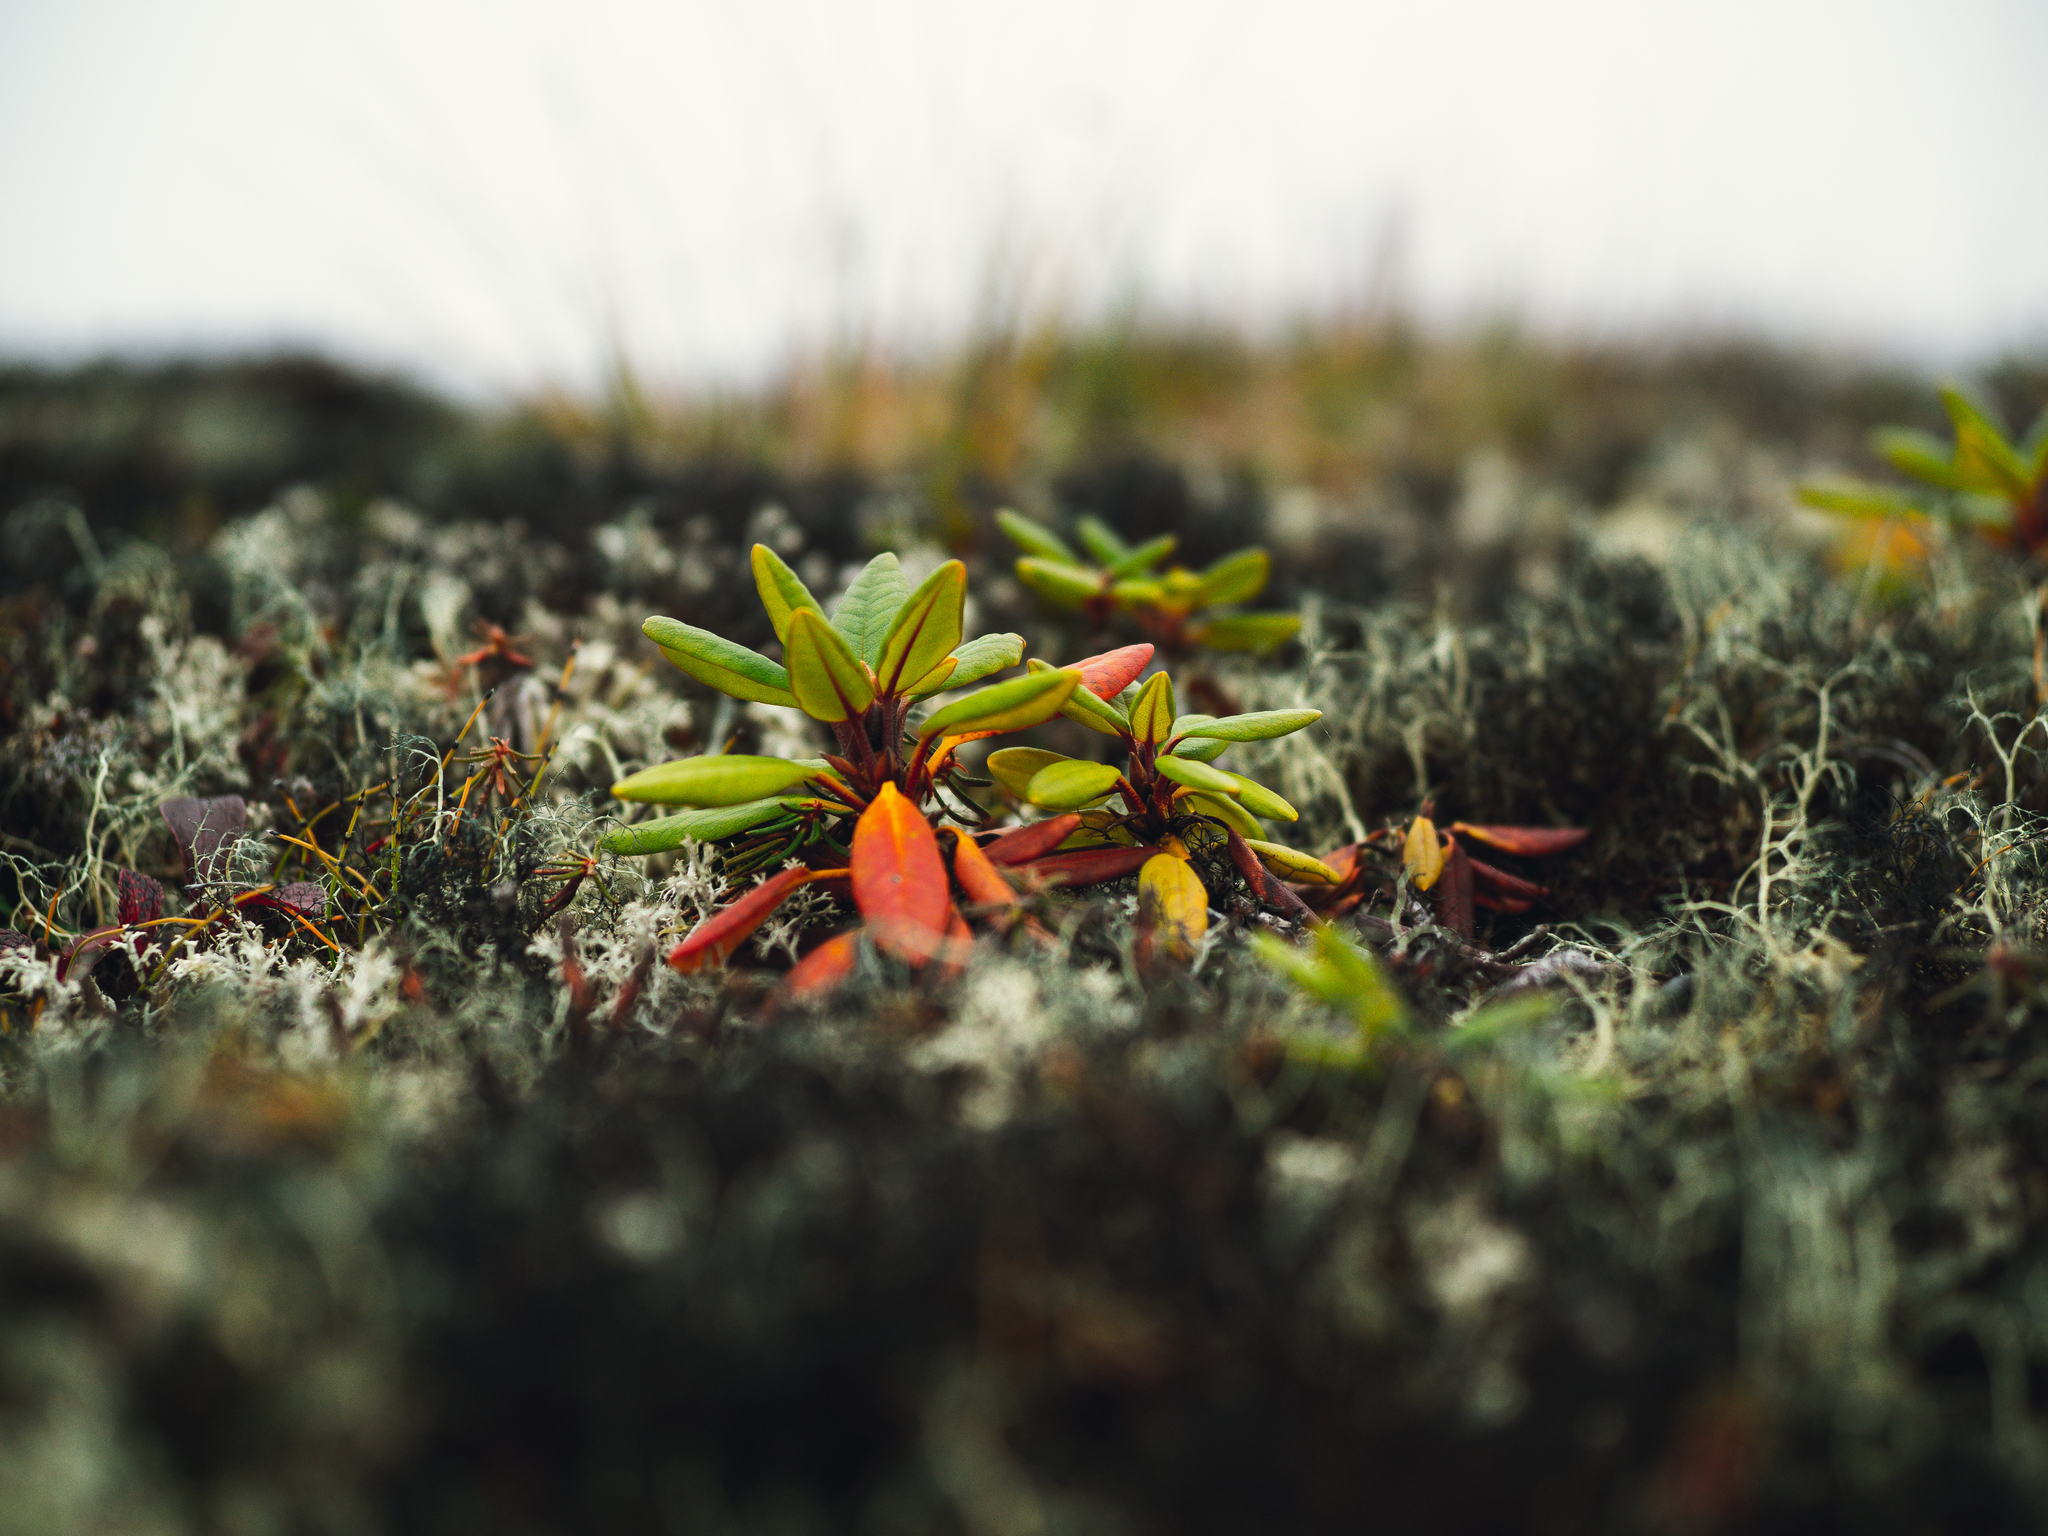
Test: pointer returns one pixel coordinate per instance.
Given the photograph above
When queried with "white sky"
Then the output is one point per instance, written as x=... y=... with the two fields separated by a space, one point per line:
x=490 y=194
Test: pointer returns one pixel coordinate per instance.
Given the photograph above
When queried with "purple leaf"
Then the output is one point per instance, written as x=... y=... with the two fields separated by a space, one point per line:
x=142 y=899
x=204 y=829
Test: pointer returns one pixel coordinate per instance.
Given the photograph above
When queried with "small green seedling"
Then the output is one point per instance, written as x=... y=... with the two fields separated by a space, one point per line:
x=1171 y=606
x=1343 y=976
x=1983 y=482
x=1168 y=799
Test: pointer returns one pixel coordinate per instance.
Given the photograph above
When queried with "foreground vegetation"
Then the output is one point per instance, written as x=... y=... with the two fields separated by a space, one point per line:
x=363 y=1166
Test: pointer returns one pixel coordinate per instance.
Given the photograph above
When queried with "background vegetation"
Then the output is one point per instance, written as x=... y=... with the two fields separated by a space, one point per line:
x=482 y=1219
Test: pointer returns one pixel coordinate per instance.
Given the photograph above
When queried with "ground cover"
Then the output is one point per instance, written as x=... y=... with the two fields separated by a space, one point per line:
x=363 y=1167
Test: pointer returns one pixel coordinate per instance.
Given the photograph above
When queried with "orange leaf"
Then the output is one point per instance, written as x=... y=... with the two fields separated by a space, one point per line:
x=980 y=881
x=1529 y=842
x=1344 y=860
x=1110 y=673
x=899 y=880
x=1173 y=907
x=959 y=942
x=712 y=941
x=824 y=967
x=1023 y=844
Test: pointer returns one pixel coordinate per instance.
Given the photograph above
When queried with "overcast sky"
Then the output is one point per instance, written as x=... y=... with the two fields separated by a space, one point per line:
x=495 y=195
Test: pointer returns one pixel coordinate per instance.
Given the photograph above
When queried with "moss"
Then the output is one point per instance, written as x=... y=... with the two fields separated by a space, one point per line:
x=486 y=1217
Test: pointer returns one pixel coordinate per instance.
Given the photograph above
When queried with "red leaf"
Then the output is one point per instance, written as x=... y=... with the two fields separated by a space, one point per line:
x=1451 y=896
x=1529 y=842
x=1023 y=844
x=1110 y=673
x=980 y=881
x=1487 y=903
x=712 y=941
x=1343 y=860
x=824 y=967
x=899 y=880
x=1487 y=879
x=1087 y=866
x=141 y=898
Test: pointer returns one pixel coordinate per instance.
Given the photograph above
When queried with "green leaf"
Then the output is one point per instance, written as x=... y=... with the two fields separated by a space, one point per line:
x=926 y=630
x=1152 y=714
x=1982 y=453
x=1307 y=971
x=1229 y=812
x=1246 y=631
x=1261 y=725
x=1261 y=801
x=1034 y=538
x=782 y=590
x=1919 y=455
x=1065 y=586
x=982 y=657
x=1141 y=559
x=1852 y=498
x=1234 y=578
x=708 y=826
x=1200 y=749
x=1071 y=785
x=1138 y=593
x=718 y=663
x=1193 y=775
x=722 y=780
x=1101 y=540
x=829 y=681
x=1011 y=706
x=1085 y=709
x=870 y=606
x=1487 y=1025
x=1013 y=767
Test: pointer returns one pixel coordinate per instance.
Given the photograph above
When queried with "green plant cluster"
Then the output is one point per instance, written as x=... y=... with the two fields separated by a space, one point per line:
x=1981 y=481
x=1170 y=606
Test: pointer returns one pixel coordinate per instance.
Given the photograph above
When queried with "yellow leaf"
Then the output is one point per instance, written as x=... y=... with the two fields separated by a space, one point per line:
x=1423 y=853
x=1173 y=908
